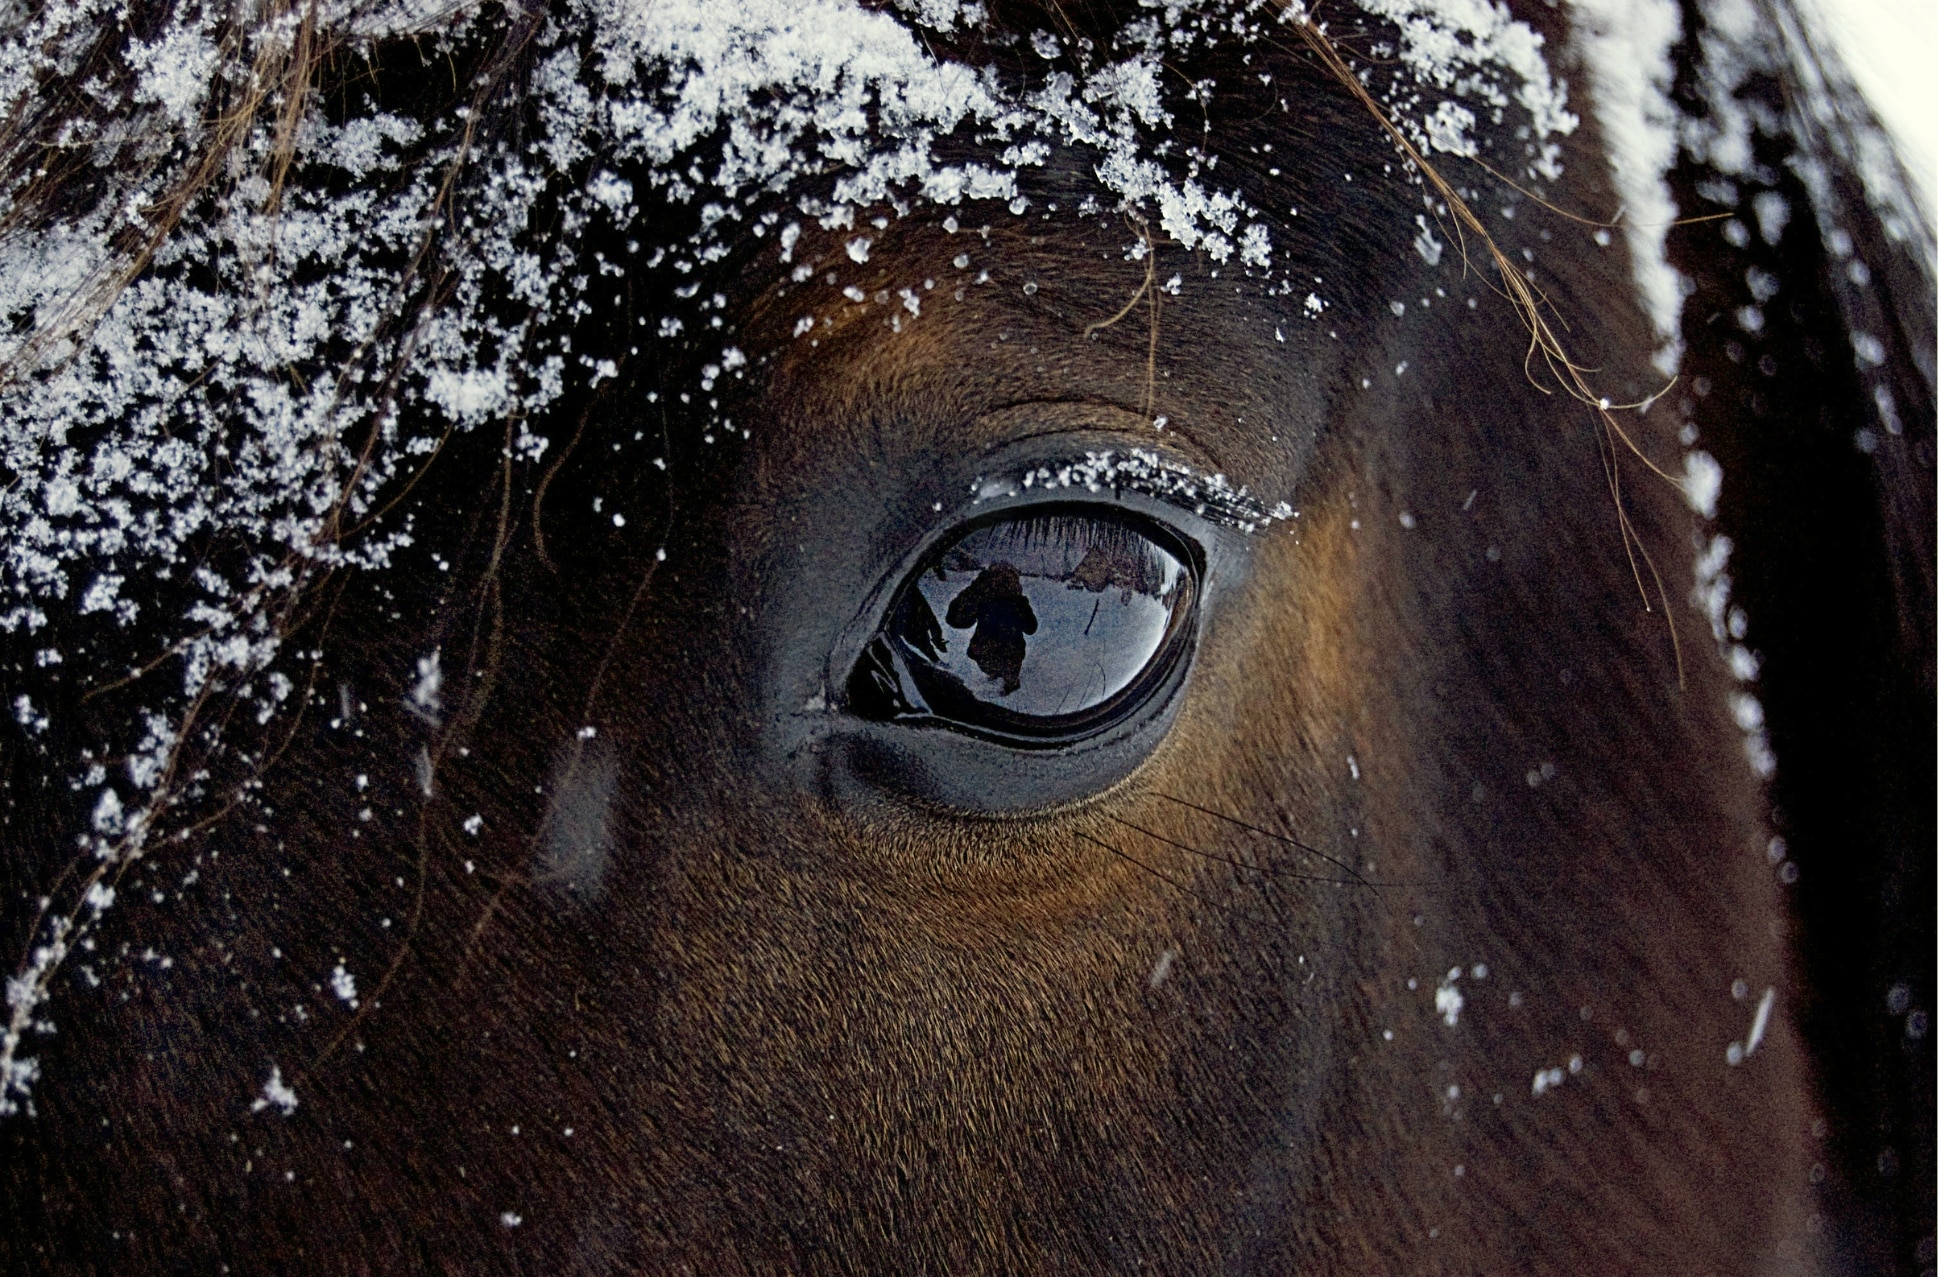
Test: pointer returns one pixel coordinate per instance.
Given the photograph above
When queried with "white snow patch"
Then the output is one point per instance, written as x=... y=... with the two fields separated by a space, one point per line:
x=1447 y=999
x=275 y=1092
x=175 y=70
x=1761 y=1024
x=1888 y=47
x=344 y=985
x=1476 y=50
x=1425 y=244
x=1728 y=625
x=470 y=395
x=426 y=693
x=1702 y=482
x=1625 y=45
x=1546 y=1080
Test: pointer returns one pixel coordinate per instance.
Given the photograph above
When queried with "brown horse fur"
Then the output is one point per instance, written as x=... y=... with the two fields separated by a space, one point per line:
x=686 y=1004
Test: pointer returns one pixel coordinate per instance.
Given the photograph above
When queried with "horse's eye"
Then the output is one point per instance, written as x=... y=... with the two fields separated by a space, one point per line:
x=1034 y=628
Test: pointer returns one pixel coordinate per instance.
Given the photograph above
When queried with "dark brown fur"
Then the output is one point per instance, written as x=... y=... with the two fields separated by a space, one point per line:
x=792 y=1028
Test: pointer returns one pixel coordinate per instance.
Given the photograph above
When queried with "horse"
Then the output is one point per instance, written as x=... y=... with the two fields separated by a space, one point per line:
x=972 y=638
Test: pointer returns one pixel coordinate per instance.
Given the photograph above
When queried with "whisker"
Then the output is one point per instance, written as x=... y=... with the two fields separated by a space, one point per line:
x=1272 y=833
x=1271 y=898
x=1167 y=879
x=1239 y=864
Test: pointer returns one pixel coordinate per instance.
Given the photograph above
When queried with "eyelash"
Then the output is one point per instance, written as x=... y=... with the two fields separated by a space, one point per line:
x=1207 y=496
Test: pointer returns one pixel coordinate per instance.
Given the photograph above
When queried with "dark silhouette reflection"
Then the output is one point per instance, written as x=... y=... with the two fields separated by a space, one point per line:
x=919 y=628
x=994 y=604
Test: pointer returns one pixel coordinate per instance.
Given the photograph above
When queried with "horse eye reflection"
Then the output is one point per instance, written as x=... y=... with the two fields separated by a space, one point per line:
x=1036 y=624
x=996 y=608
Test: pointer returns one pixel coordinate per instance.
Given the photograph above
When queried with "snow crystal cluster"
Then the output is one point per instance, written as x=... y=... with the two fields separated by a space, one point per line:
x=1211 y=496
x=1456 y=55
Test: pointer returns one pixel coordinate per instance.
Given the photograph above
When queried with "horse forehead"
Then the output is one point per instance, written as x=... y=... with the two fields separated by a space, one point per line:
x=944 y=337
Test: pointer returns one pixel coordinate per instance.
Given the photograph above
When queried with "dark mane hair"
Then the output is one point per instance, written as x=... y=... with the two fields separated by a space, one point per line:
x=1823 y=423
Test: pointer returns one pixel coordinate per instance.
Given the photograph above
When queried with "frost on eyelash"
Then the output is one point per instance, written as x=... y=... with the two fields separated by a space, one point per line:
x=1210 y=496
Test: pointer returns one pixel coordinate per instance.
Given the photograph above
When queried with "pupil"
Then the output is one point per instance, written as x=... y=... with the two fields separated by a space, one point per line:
x=1042 y=624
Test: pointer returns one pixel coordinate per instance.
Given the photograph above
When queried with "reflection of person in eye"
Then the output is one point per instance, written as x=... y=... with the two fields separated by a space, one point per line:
x=994 y=604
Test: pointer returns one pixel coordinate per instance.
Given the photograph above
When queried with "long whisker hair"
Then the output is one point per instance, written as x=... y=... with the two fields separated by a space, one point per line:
x=1273 y=871
x=1287 y=839
x=1168 y=880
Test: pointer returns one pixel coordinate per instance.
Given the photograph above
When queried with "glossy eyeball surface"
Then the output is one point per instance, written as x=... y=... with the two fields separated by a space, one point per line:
x=1037 y=628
